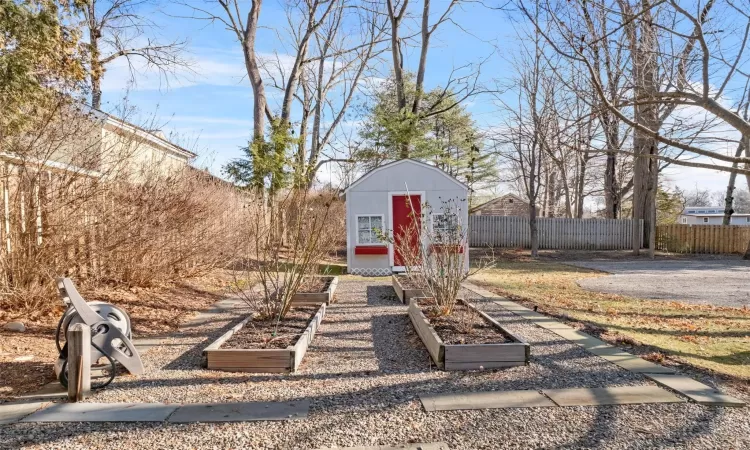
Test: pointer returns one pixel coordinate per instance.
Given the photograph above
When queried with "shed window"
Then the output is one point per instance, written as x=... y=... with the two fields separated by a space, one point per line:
x=705 y=220
x=445 y=227
x=684 y=220
x=368 y=229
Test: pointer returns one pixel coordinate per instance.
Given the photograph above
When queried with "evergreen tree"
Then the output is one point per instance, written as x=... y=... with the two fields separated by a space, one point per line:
x=449 y=140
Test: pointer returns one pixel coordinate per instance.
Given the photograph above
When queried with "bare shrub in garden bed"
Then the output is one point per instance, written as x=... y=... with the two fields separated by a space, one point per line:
x=439 y=263
x=285 y=241
x=456 y=334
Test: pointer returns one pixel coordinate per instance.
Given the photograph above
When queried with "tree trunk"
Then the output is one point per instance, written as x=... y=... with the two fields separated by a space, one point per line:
x=729 y=197
x=96 y=68
x=422 y=58
x=534 y=230
x=253 y=72
x=645 y=167
x=611 y=191
x=398 y=69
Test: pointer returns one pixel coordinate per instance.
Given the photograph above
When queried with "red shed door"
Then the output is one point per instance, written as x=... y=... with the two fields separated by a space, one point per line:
x=407 y=210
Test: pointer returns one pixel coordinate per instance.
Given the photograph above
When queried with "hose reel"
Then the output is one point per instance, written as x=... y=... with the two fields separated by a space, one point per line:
x=111 y=334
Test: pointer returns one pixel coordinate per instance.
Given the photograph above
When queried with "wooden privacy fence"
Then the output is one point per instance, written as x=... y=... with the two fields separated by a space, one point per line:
x=554 y=233
x=702 y=238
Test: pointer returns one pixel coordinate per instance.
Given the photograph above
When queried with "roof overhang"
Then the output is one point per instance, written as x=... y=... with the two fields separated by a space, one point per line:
x=141 y=133
x=395 y=163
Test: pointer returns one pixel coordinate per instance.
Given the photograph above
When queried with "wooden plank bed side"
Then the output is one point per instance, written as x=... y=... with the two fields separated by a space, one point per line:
x=332 y=289
x=309 y=298
x=224 y=337
x=300 y=347
x=316 y=298
x=257 y=359
x=430 y=338
x=452 y=365
x=514 y=352
x=413 y=293
x=397 y=287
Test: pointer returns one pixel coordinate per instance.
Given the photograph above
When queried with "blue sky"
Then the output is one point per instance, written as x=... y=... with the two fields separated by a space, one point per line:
x=210 y=111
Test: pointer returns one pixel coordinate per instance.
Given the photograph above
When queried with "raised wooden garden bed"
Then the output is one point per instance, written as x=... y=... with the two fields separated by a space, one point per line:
x=324 y=295
x=403 y=291
x=512 y=353
x=267 y=360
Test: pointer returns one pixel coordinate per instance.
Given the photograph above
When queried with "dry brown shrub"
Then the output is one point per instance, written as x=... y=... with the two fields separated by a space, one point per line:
x=75 y=204
x=285 y=242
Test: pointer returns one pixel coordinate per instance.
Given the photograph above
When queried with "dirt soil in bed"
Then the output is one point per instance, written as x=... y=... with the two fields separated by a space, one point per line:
x=407 y=283
x=257 y=334
x=314 y=285
x=463 y=326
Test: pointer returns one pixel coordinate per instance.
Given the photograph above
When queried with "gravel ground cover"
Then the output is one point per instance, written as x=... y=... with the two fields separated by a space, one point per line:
x=363 y=374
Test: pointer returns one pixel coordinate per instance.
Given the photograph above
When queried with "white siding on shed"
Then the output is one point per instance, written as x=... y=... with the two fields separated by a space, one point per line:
x=371 y=195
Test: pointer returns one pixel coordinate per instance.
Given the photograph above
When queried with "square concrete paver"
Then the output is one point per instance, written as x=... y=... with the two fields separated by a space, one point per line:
x=103 y=412
x=629 y=362
x=626 y=395
x=695 y=390
x=240 y=412
x=485 y=400
x=13 y=412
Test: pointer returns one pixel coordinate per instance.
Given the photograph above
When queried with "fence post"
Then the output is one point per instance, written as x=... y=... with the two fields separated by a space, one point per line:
x=79 y=361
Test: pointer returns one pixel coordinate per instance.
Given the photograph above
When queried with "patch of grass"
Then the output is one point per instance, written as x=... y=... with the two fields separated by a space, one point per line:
x=715 y=338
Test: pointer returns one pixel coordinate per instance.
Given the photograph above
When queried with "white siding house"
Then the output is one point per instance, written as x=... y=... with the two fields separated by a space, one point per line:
x=710 y=215
x=376 y=202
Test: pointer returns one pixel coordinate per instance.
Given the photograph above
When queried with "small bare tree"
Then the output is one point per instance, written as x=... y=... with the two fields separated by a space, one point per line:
x=434 y=248
x=284 y=244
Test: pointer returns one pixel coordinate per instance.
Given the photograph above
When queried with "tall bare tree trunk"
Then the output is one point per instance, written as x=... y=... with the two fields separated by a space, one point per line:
x=96 y=68
x=642 y=36
x=731 y=185
x=398 y=63
x=611 y=191
x=253 y=71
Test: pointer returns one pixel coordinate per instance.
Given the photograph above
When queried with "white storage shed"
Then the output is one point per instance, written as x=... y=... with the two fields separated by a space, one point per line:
x=379 y=201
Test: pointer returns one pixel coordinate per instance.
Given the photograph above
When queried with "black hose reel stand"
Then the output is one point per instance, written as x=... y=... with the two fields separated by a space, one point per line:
x=111 y=335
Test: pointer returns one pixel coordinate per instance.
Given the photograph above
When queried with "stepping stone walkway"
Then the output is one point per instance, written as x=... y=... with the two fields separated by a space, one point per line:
x=154 y=412
x=696 y=391
x=13 y=412
x=665 y=376
x=626 y=395
x=485 y=400
x=240 y=412
x=103 y=412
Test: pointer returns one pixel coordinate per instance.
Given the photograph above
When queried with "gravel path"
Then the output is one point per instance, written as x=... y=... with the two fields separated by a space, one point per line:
x=363 y=374
x=715 y=282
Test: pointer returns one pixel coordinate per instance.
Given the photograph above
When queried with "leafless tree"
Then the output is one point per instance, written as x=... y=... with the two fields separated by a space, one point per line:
x=337 y=57
x=530 y=127
x=120 y=29
x=456 y=89
x=677 y=60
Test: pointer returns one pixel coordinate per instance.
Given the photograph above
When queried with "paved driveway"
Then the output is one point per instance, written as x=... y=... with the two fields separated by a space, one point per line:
x=716 y=282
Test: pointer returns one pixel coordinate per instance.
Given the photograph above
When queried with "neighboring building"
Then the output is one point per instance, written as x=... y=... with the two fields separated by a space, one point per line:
x=710 y=215
x=507 y=205
x=93 y=143
x=379 y=202
x=142 y=150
